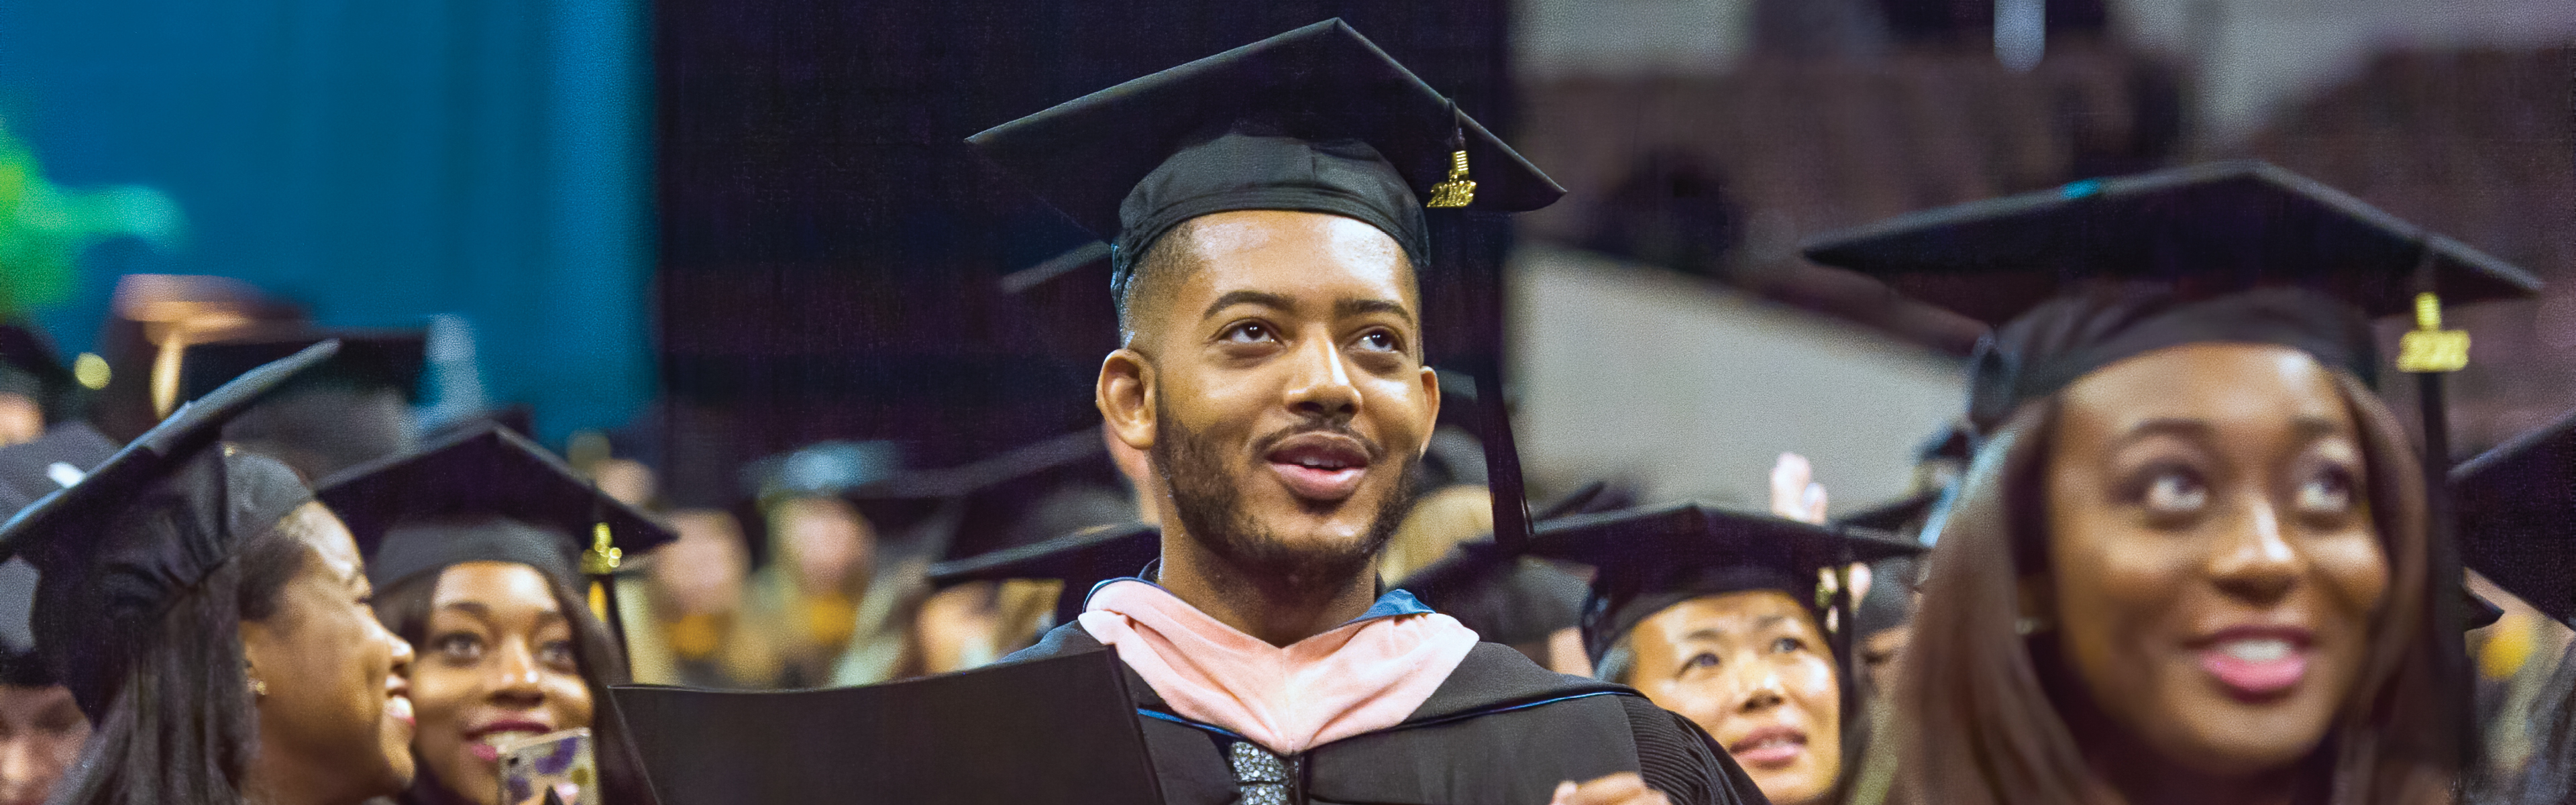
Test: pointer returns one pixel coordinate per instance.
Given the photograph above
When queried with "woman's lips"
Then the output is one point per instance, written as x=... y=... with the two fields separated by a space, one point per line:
x=1769 y=747
x=2253 y=664
x=485 y=741
x=399 y=707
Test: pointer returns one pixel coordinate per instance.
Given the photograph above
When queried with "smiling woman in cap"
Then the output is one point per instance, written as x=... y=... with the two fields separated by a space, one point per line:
x=211 y=619
x=473 y=544
x=2193 y=559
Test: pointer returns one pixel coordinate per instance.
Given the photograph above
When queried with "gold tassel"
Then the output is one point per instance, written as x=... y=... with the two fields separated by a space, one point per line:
x=1457 y=190
x=2428 y=347
x=599 y=562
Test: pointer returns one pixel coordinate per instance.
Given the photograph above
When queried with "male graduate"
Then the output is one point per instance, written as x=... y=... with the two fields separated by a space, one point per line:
x=1265 y=212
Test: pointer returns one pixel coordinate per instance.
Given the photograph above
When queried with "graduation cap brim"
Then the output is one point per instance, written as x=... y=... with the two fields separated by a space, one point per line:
x=195 y=426
x=2517 y=517
x=1330 y=81
x=1082 y=560
x=368 y=359
x=1655 y=539
x=485 y=470
x=1055 y=730
x=2215 y=227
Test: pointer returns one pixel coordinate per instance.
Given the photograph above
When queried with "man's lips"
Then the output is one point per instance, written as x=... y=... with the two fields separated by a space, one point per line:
x=1769 y=747
x=2255 y=662
x=1319 y=466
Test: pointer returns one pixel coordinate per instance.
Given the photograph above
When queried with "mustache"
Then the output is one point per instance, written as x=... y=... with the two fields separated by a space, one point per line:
x=1271 y=440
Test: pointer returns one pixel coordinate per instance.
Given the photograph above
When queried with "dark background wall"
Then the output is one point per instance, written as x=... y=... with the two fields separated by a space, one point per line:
x=831 y=250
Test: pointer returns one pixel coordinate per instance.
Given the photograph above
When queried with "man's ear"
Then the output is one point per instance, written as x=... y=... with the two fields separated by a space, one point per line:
x=1125 y=396
x=1430 y=402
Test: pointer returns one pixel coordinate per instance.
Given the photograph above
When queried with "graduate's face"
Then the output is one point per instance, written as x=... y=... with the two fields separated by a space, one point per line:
x=1753 y=670
x=41 y=732
x=21 y=419
x=2213 y=567
x=337 y=716
x=1279 y=385
x=497 y=663
x=830 y=544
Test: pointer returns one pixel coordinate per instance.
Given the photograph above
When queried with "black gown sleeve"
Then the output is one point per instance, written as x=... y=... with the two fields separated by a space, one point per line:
x=1677 y=758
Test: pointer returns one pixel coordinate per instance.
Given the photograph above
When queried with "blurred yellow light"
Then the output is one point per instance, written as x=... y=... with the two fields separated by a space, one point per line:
x=91 y=370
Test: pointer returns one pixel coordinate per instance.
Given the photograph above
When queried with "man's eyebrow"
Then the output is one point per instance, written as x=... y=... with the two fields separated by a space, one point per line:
x=1354 y=307
x=1262 y=298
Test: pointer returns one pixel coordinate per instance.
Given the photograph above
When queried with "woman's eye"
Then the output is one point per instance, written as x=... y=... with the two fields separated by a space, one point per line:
x=1701 y=660
x=2327 y=492
x=464 y=647
x=2175 y=491
x=557 y=654
x=1251 y=332
x=1787 y=644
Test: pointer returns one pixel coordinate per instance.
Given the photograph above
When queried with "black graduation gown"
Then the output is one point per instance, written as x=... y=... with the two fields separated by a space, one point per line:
x=1499 y=730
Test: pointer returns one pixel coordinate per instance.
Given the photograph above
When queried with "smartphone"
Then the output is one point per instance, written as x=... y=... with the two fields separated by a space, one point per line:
x=557 y=762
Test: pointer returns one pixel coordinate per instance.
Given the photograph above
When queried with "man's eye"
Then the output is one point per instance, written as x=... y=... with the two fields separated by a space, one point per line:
x=1251 y=332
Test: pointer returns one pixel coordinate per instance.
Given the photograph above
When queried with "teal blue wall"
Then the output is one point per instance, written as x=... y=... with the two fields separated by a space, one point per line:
x=377 y=162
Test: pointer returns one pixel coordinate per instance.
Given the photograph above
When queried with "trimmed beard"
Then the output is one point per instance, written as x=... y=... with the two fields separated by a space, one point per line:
x=1210 y=506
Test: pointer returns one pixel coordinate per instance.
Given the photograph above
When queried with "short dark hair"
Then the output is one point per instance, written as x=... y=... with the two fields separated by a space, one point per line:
x=1162 y=261
x=404 y=608
x=180 y=727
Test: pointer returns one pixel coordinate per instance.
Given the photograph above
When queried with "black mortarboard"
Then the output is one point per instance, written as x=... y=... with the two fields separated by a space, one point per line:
x=2211 y=229
x=1055 y=730
x=1652 y=558
x=2517 y=526
x=388 y=359
x=1317 y=119
x=148 y=525
x=1002 y=501
x=1082 y=560
x=29 y=472
x=481 y=494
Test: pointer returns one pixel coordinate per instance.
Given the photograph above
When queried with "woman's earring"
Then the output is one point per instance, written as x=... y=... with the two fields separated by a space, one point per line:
x=258 y=688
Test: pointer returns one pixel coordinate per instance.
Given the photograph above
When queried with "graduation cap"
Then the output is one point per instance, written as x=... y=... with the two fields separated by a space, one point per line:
x=351 y=410
x=1499 y=592
x=2517 y=524
x=370 y=359
x=1318 y=119
x=28 y=472
x=148 y=526
x=2212 y=228
x=1082 y=560
x=487 y=494
x=1649 y=559
x=1055 y=730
